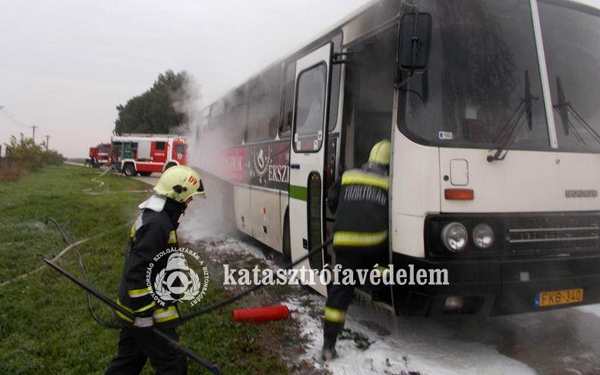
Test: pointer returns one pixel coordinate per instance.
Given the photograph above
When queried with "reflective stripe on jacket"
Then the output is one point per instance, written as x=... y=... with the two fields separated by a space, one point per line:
x=160 y=315
x=362 y=209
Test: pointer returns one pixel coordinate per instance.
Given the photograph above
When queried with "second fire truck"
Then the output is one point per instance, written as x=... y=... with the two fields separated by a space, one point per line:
x=99 y=155
x=148 y=153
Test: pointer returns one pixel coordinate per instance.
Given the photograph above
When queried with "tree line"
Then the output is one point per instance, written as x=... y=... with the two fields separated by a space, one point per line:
x=161 y=109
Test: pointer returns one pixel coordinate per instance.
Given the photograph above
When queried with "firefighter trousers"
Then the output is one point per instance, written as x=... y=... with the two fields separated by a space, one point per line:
x=136 y=345
x=339 y=295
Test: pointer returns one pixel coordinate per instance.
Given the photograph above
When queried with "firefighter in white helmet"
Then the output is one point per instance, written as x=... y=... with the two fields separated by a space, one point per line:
x=360 y=233
x=153 y=232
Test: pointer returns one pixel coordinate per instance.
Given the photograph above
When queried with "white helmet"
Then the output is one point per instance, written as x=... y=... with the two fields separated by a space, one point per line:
x=179 y=183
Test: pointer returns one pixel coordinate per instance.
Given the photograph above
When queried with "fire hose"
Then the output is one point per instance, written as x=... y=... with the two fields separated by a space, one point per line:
x=178 y=346
x=83 y=270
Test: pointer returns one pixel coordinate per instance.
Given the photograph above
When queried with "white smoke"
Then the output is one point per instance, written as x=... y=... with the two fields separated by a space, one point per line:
x=205 y=217
x=188 y=101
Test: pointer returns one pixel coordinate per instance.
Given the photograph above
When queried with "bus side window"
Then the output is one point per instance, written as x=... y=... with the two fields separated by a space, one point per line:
x=262 y=117
x=288 y=101
x=238 y=124
x=273 y=126
x=263 y=105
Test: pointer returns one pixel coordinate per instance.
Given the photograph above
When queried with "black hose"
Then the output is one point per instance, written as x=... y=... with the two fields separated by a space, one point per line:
x=89 y=297
x=59 y=228
x=98 y=320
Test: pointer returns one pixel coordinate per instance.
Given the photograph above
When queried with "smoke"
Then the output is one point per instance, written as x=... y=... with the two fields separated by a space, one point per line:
x=187 y=101
x=203 y=154
x=208 y=217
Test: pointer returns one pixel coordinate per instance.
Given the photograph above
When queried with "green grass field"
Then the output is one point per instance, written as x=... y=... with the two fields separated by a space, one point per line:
x=45 y=325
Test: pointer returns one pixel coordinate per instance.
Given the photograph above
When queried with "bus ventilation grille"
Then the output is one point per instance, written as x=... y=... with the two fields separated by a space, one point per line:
x=553 y=234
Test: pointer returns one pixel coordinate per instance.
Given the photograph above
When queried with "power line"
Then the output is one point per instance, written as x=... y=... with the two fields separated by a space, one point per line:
x=6 y=113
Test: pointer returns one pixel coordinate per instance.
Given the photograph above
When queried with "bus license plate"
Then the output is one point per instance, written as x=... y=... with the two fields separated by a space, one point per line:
x=559 y=297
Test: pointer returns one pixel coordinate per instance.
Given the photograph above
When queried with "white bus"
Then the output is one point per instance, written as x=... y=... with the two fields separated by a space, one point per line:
x=493 y=111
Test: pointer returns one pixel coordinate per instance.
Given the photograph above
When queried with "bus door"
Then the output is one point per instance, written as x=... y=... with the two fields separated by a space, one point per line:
x=307 y=157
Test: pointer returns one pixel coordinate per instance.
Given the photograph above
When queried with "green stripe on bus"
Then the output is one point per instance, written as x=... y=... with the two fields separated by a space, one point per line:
x=298 y=192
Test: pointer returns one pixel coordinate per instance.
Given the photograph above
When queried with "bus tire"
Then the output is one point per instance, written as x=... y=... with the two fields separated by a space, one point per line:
x=129 y=170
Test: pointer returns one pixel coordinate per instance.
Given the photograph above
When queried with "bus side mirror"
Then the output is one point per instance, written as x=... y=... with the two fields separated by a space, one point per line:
x=414 y=41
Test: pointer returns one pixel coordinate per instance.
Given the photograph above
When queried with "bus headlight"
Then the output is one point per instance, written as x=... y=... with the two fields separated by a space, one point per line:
x=455 y=237
x=483 y=236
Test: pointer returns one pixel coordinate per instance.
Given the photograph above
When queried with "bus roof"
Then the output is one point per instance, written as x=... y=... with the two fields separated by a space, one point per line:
x=145 y=137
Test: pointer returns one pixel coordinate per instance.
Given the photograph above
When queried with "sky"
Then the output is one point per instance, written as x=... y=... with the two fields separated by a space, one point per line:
x=66 y=64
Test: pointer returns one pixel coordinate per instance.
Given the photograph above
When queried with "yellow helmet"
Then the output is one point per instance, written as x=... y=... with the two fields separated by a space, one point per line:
x=380 y=153
x=179 y=183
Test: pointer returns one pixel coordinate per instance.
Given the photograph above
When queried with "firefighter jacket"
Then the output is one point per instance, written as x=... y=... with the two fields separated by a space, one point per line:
x=153 y=232
x=360 y=201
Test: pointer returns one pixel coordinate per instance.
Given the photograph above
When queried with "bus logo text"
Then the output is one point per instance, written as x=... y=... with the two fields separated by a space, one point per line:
x=581 y=193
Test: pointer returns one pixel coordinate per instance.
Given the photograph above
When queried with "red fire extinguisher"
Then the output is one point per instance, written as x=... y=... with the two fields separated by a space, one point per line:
x=262 y=314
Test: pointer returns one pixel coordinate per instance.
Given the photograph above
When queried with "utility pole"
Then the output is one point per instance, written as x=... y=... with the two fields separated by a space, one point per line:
x=47 y=141
x=34 y=127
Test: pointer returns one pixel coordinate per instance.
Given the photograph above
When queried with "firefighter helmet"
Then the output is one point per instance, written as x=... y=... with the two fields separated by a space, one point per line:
x=179 y=183
x=380 y=153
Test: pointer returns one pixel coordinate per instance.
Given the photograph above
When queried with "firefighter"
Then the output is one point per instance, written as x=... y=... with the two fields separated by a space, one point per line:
x=360 y=234
x=153 y=232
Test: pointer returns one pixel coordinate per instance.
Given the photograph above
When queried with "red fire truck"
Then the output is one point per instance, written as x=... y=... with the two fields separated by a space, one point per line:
x=99 y=155
x=148 y=153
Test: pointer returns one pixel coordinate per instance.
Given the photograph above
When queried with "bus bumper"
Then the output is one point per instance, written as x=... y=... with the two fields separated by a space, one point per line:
x=498 y=286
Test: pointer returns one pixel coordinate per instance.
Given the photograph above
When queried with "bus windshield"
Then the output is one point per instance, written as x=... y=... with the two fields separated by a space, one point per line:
x=572 y=44
x=483 y=87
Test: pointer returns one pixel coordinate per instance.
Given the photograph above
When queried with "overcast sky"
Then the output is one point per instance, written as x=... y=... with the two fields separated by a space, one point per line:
x=66 y=64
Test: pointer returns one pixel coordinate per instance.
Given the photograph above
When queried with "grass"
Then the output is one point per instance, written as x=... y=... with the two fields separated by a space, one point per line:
x=45 y=326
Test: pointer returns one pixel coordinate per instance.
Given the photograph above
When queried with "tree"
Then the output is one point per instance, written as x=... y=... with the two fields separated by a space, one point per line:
x=158 y=110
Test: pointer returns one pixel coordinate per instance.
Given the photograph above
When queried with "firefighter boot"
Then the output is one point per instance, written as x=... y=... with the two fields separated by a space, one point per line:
x=331 y=330
x=328 y=352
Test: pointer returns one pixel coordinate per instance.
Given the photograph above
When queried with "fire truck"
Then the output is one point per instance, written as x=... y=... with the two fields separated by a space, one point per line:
x=99 y=155
x=147 y=153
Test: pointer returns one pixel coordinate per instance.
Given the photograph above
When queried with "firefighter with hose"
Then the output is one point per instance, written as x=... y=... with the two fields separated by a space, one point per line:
x=153 y=232
x=360 y=233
